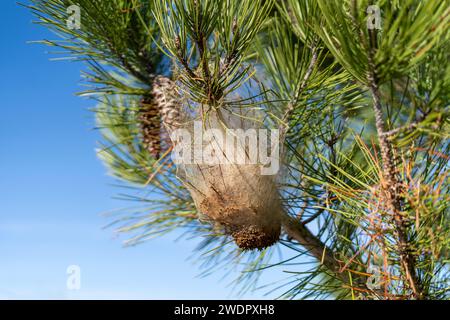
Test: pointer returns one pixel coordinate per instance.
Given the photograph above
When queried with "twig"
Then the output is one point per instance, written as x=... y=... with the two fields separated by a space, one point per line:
x=313 y=217
x=183 y=61
x=410 y=126
x=292 y=103
x=298 y=231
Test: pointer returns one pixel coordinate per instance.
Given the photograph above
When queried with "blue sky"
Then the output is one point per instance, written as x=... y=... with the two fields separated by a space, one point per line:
x=53 y=190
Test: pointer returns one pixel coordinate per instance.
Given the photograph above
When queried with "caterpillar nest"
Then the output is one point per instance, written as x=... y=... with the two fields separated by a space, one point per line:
x=229 y=188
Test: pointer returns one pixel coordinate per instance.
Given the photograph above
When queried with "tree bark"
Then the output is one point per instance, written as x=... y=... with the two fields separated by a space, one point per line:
x=392 y=192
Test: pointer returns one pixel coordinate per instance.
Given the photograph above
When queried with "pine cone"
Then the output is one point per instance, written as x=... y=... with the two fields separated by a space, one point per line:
x=164 y=95
x=159 y=107
x=150 y=123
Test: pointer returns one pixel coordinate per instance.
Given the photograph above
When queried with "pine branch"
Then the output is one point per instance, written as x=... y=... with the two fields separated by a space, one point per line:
x=296 y=230
x=407 y=127
x=325 y=255
x=291 y=106
x=392 y=185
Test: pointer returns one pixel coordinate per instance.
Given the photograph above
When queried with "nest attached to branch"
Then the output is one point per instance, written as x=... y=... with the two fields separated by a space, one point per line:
x=240 y=200
x=237 y=197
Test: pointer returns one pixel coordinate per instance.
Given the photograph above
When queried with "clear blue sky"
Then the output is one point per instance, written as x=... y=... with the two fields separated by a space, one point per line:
x=53 y=190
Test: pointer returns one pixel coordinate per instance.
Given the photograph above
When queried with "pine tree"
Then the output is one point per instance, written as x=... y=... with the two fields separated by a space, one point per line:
x=359 y=91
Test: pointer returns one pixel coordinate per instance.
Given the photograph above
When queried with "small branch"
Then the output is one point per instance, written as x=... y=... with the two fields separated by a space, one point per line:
x=410 y=126
x=298 y=231
x=313 y=217
x=204 y=61
x=231 y=56
x=200 y=41
x=182 y=59
x=291 y=105
x=187 y=68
